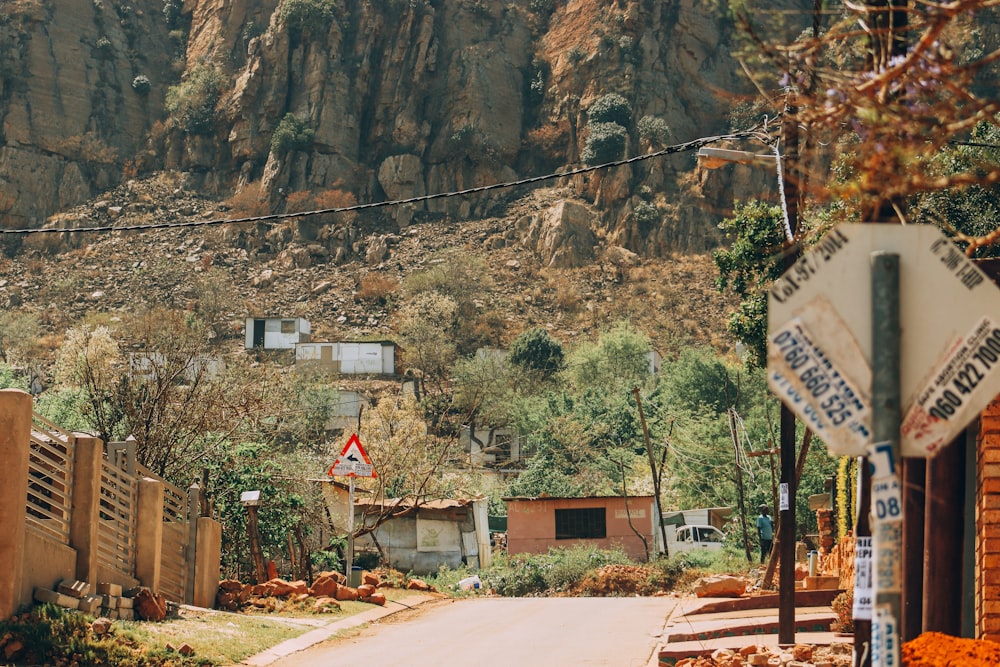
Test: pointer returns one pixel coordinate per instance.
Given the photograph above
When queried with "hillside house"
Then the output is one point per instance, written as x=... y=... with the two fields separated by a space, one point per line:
x=534 y=525
x=149 y=365
x=346 y=411
x=276 y=333
x=491 y=447
x=347 y=357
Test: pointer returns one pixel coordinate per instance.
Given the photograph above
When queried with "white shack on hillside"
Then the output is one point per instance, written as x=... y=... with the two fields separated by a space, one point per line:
x=276 y=333
x=347 y=357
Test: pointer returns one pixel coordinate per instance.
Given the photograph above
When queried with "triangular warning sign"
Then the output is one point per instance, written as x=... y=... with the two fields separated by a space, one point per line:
x=353 y=461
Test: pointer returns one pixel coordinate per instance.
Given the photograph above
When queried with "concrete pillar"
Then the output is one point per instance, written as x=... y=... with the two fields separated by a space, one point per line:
x=208 y=562
x=15 y=444
x=193 y=513
x=86 y=505
x=149 y=533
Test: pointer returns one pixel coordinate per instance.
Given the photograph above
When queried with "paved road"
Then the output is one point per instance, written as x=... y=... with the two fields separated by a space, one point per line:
x=504 y=632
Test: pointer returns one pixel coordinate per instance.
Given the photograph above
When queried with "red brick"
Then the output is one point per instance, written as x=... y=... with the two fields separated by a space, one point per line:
x=990 y=563
x=991 y=626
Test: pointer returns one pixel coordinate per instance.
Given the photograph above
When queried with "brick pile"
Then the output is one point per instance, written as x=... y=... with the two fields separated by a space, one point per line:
x=328 y=590
x=106 y=599
x=799 y=655
x=826 y=528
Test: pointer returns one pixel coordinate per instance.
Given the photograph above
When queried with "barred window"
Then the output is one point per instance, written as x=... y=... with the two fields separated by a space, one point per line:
x=584 y=523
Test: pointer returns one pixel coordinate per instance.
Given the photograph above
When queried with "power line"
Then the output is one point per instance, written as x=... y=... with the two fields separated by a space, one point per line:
x=677 y=148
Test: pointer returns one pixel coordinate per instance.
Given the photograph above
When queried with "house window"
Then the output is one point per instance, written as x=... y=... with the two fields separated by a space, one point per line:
x=287 y=326
x=581 y=524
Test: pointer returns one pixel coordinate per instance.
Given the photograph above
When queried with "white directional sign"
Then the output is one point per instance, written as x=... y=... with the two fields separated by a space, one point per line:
x=819 y=318
x=353 y=461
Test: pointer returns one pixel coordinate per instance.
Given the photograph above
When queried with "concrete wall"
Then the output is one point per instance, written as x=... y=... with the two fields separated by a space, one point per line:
x=531 y=524
x=32 y=559
x=47 y=562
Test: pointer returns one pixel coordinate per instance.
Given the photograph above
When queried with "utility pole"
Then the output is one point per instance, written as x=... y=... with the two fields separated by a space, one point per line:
x=787 y=483
x=739 y=483
x=652 y=470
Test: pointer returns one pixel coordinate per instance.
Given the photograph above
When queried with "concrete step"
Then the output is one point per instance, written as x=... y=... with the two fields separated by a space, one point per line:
x=670 y=654
x=690 y=630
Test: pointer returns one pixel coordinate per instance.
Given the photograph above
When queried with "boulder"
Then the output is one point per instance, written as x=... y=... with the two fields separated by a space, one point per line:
x=346 y=594
x=325 y=586
x=561 y=235
x=376 y=598
x=365 y=590
x=722 y=586
x=418 y=585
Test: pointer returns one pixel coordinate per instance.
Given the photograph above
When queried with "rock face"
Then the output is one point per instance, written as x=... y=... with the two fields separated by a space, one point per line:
x=401 y=98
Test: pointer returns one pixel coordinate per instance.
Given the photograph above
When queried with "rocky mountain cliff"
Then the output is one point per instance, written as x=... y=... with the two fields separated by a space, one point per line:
x=115 y=113
x=391 y=100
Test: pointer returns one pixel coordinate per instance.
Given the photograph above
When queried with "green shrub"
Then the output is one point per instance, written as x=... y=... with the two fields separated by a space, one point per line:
x=141 y=84
x=646 y=215
x=171 y=12
x=192 y=102
x=52 y=635
x=291 y=134
x=315 y=15
x=556 y=571
x=536 y=350
x=605 y=143
x=610 y=108
x=105 y=49
x=653 y=129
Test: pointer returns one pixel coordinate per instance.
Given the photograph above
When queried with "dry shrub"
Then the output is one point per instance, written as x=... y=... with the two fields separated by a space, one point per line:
x=377 y=288
x=550 y=141
x=565 y=294
x=249 y=202
x=299 y=201
x=335 y=198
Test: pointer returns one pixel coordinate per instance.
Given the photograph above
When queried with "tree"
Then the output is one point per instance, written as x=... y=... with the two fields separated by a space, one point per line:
x=536 y=351
x=171 y=391
x=407 y=459
x=748 y=266
x=427 y=325
x=620 y=358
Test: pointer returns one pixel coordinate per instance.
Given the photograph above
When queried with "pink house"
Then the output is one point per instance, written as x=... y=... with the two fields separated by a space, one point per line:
x=536 y=524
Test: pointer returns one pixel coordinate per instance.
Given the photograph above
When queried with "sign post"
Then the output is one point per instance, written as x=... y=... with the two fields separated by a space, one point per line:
x=885 y=341
x=886 y=486
x=353 y=462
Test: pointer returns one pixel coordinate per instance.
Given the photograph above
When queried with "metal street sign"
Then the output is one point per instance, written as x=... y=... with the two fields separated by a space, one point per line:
x=820 y=309
x=353 y=461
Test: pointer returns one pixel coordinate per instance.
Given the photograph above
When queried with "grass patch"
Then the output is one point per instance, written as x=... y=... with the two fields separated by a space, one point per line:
x=221 y=638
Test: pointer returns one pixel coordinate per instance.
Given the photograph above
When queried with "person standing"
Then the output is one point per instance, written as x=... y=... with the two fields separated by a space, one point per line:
x=765 y=531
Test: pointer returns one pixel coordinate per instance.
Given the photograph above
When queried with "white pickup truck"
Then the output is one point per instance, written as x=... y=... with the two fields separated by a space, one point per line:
x=692 y=538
